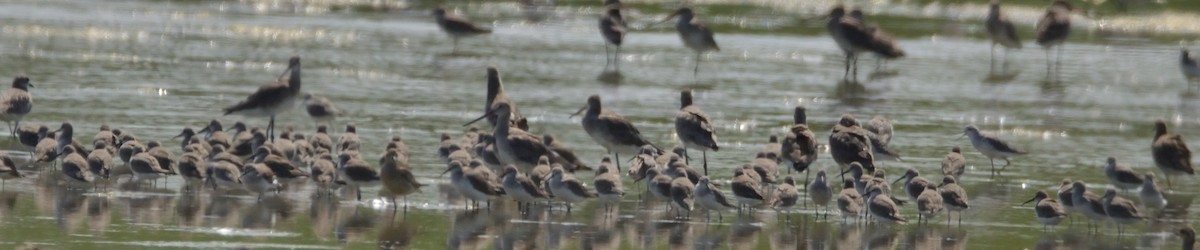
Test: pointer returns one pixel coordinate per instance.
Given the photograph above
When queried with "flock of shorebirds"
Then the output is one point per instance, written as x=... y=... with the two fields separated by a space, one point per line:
x=537 y=168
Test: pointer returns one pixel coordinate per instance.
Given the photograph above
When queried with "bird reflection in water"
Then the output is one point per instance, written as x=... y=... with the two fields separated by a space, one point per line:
x=8 y=203
x=353 y=227
x=467 y=229
x=681 y=236
x=714 y=237
x=397 y=235
x=745 y=231
x=611 y=77
x=524 y=233
x=322 y=211
x=266 y=213
x=851 y=93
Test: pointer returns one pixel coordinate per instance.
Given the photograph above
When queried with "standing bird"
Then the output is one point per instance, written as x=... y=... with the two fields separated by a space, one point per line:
x=694 y=128
x=929 y=203
x=573 y=163
x=612 y=28
x=799 y=145
x=853 y=36
x=100 y=161
x=608 y=184
x=914 y=184
x=520 y=188
x=711 y=198
x=1121 y=176
x=1152 y=198
x=457 y=27
x=567 y=189
x=215 y=134
x=849 y=201
x=1001 y=31
x=1171 y=154
x=496 y=96
x=397 y=177
x=320 y=109
x=611 y=130
x=356 y=171
x=1087 y=203
x=513 y=145
x=954 y=163
x=1189 y=67
x=8 y=169
x=15 y=103
x=848 y=142
x=746 y=190
x=991 y=146
x=1047 y=210
x=954 y=197
x=880 y=206
x=786 y=195
x=682 y=193
x=1053 y=30
x=819 y=191
x=1189 y=237
x=272 y=99
x=146 y=167
x=75 y=166
x=1120 y=210
x=695 y=34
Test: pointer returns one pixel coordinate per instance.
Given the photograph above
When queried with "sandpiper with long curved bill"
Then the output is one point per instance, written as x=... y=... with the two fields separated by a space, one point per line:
x=457 y=27
x=695 y=34
x=694 y=128
x=991 y=146
x=1047 y=210
x=272 y=99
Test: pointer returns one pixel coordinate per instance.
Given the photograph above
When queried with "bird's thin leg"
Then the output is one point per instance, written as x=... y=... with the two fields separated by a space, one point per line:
x=704 y=157
x=607 y=56
x=846 y=74
x=993 y=56
x=617 y=159
x=271 y=129
x=696 y=70
x=617 y=59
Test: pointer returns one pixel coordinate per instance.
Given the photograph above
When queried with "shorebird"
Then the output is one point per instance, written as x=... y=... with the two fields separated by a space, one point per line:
x=100 y=161
x=608 y=184
x=954 y=197
x=475 y=181
x=612 y=28
x=773 y=147
x=191 y=166
x=914 y=184
x=281 y=166
x=567 y=189
x=881 y=129
x=514 y=145
x=520 y=188
x=1171 y=154
x=695 y=34
x=223 y=170
x=15 y=103
x=106 y=136
x=457 y=27
x=819 y=191
x=272 y=99
x=1189 y=237
x=849 y=201
x=321 y=140
x=1121 y=176
x=954 y=163
x=496 y=96
x=572 y=162
x=215 y=134
x=1087 y=203
x=991 y=146
x=323 y=172
x=397 y=177
x=146 y=167
x=75 y=166
x=682 y=193
x=786 y=195
x=746 y=191
x=1053 y=29
x=610 y=129
x=1047 y=210
x=799 y=147
x=1151 y=197
x=659 y=183
x=357 y=172
x=46 y=150
x=320 y=109
x=710 y=198
x=1065 y=193
x=929 y=203
x=853 y=36
x=1120 y=210
x=8 y=170
x=881 y=207
x=1189 y=67
x=694 y=128
x=259 y=178
x=848 y=142
x=128 y=145
x=1001 y=31
x=349 y=140
x=28 y=135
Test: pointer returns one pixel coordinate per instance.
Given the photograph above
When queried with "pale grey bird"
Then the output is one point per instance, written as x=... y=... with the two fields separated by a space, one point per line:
x=991 y=146
x=15 y=103
x=1152 y=198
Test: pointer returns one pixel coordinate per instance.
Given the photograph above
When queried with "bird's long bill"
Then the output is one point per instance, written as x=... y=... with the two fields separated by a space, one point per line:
x=846 y=171
x=485 y=115
x=669 y=17
x=285 y=72
x=447 y=171
x=205 y=130
x=964 y=134
x=1030 y=200
x=178 y=136
x=899 y=179
x=577 y=112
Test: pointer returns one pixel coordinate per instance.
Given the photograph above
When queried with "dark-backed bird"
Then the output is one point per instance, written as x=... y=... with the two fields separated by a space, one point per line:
x=849 y=142
x=496 y=95
x=694 y=33
x=397 y=177
x=320 y=109
x=1171 y=154
x=1189 y=67
x=611 y=130
x=612 y=28
x=853 y=36
x=799 y=145
x=15 y=103
x=1047 y=210
x=695 y=129
x=514 y=145
x=272 y=99
x=1001 y=31
x=457 y=27
x=1053 y=29
x=991 y=146
x=1121 y=176
x=569 y=160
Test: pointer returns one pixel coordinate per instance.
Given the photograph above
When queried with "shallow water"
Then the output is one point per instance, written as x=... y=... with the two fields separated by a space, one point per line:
x=154 y=67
